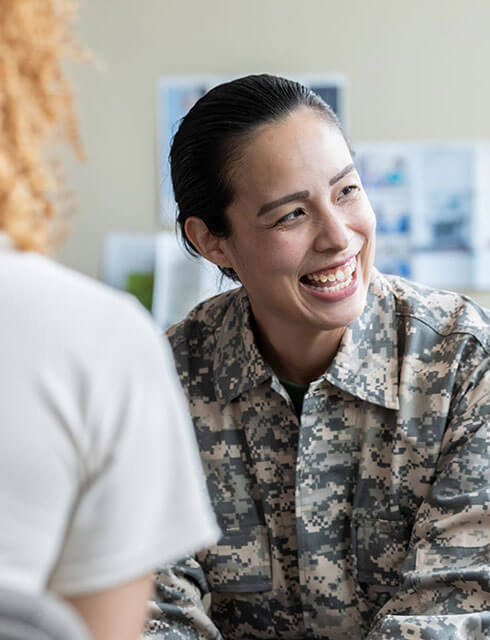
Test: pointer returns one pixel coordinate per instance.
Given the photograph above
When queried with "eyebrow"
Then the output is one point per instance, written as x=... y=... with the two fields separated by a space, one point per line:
x=299 y=195
x=341 y=174
x=302 y=195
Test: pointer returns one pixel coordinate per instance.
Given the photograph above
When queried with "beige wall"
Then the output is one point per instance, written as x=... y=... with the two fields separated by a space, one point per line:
x=416 y=69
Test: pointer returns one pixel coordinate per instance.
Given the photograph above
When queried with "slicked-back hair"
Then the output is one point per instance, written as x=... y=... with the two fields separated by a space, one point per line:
x=211 y=136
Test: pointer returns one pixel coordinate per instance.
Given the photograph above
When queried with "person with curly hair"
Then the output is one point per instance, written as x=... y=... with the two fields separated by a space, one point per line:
x=90 y=404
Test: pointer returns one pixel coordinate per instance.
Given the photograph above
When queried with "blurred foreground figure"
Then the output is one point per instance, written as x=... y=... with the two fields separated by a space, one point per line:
x=100 y=478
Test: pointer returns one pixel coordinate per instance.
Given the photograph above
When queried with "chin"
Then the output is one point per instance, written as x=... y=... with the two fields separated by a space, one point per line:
x=349 y=311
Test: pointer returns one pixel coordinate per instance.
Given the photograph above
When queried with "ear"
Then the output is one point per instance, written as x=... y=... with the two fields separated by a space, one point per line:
x=208 y=245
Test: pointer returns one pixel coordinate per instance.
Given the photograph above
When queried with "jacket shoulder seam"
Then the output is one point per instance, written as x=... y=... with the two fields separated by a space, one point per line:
x=450 y=333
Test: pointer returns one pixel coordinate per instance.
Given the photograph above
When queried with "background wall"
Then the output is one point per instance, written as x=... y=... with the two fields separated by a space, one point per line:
x=416 y=70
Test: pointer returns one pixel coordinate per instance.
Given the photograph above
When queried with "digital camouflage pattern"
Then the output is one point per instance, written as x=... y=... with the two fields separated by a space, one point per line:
x=367 y=519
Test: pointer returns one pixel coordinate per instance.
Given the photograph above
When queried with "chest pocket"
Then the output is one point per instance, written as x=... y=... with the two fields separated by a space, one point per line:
x=380 y=547
x=240 y=562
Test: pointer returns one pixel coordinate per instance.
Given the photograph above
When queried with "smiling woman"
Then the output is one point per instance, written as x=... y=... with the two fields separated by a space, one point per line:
x=342 y=415
x=280 y=245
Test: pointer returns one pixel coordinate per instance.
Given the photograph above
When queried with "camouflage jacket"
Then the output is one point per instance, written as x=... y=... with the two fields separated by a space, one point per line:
x=368 y=517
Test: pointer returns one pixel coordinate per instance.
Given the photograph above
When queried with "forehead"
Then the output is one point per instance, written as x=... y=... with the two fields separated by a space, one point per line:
x=291 y=154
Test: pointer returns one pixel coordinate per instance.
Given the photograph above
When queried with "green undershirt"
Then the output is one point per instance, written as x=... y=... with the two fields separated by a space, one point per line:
x=296 y=392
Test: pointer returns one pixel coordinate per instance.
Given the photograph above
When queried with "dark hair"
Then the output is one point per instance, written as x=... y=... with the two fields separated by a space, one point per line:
x=210 y=136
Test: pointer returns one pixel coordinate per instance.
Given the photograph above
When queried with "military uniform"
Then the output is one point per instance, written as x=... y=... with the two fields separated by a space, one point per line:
x=369 y=516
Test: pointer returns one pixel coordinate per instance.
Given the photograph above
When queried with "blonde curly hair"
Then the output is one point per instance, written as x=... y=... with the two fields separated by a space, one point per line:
x=36 y=103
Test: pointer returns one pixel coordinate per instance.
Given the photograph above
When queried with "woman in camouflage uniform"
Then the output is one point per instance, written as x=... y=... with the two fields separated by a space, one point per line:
x=342 y=415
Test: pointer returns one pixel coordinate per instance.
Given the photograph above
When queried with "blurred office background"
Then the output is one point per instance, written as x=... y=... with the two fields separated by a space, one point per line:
x=415 y=72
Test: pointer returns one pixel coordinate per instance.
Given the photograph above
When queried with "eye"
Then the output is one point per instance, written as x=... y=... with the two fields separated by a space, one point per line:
x=290 y=217
x=349 y=190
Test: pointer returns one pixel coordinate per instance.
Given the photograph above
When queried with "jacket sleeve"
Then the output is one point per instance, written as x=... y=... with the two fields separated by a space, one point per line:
x=445 y=592
x=178 y=612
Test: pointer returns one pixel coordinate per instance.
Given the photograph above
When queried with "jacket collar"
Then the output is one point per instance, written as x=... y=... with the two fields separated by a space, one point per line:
x=366 y=364
x=238 y=364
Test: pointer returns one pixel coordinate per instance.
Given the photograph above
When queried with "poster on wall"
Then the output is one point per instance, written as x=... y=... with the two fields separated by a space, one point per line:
x=386 y=174
x=431 y=202
x=442 y=220
x=177 y=94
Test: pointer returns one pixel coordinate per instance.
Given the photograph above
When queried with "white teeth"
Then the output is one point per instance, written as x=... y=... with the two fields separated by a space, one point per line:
x=341 y=277
x=336 y=287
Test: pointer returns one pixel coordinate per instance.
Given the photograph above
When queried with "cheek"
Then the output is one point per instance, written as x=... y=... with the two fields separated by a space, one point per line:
x=368 y=230
x=370 y=216
x=286 y=254
x=278 y=254
x=366 y=222
x=372 y=222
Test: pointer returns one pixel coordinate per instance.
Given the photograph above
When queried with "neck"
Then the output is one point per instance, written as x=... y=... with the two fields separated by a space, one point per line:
x=297 y=356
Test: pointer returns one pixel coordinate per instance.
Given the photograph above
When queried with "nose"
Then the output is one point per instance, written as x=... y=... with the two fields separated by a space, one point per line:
x=332 y=232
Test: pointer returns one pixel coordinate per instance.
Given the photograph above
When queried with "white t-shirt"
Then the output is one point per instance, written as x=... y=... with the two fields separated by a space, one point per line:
x=100 y=478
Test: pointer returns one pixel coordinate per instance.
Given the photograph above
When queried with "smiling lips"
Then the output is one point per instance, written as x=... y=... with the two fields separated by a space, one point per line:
x=331 y=279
